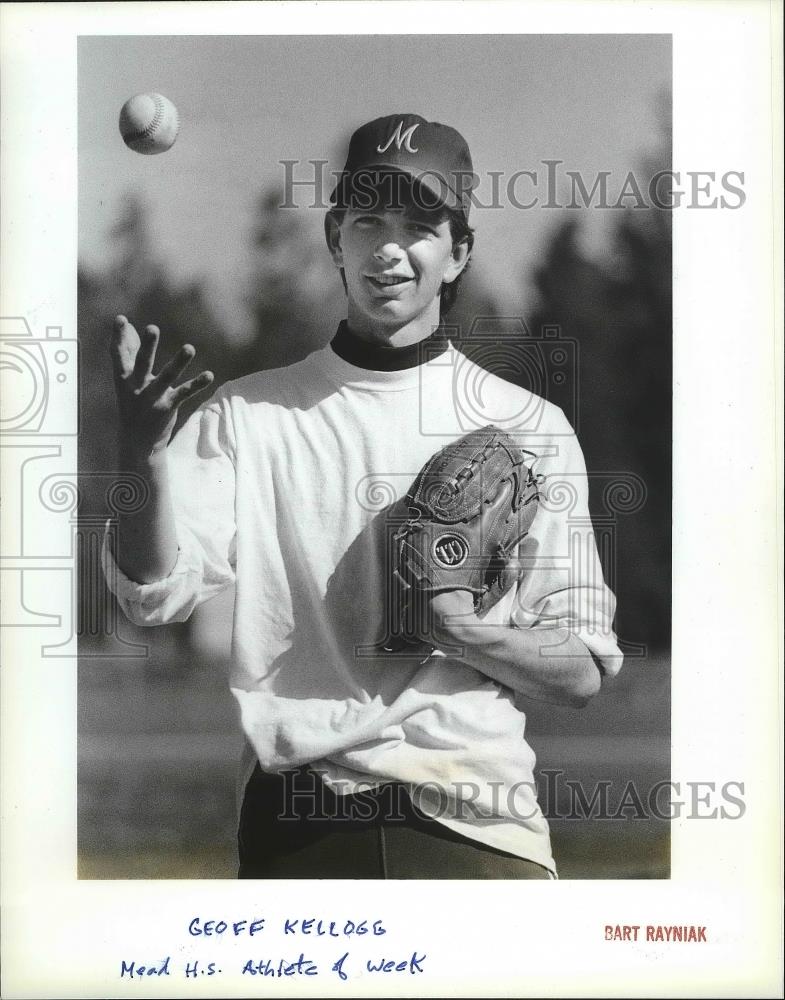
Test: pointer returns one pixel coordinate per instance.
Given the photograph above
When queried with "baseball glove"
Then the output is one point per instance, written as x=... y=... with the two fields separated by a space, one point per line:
x=468 y=508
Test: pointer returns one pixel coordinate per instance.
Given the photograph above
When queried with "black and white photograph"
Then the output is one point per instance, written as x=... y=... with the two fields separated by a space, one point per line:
x=420 y=517
x=378 y=446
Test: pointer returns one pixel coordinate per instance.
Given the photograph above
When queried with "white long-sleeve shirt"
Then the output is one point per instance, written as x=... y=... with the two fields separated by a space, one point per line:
x=282 y=484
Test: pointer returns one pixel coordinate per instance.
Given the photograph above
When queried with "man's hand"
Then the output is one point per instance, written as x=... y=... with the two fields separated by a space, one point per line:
x=148 y=403
x=147 y=537
x=544 y=664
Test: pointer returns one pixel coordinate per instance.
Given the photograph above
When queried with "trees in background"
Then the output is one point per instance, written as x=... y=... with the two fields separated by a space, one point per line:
x=135 y=282
x=296 y=297
x=618 y=307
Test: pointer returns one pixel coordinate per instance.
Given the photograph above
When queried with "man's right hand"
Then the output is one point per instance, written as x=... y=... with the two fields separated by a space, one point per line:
x=148 y=403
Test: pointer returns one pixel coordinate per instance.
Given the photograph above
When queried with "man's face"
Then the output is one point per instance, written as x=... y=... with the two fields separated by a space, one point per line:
x=395 y=261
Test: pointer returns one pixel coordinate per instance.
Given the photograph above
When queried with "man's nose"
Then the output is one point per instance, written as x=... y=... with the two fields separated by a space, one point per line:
x=388 y=250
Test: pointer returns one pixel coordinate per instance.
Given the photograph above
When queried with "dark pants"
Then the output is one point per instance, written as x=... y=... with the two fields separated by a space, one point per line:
x=293 y=826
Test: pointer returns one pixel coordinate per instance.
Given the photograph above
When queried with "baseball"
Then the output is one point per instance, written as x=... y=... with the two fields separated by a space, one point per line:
x=149 y=123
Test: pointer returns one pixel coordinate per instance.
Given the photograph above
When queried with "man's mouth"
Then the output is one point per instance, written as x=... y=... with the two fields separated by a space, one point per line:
x=388 y=280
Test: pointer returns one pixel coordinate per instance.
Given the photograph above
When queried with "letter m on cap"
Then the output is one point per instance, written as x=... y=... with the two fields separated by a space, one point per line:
x=402 y=139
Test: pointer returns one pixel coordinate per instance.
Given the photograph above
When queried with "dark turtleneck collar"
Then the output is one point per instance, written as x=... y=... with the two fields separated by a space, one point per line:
x=363 y=354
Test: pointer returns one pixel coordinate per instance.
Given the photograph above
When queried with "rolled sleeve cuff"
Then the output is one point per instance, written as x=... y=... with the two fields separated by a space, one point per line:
x=170 y=599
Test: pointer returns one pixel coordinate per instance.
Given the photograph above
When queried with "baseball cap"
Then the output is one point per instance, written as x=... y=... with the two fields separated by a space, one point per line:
x=435 y=155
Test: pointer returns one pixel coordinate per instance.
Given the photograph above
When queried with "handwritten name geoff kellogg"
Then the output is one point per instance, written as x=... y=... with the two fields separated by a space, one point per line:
x=276 y=966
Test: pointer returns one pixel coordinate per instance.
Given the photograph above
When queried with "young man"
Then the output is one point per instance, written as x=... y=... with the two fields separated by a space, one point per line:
x=362 y=762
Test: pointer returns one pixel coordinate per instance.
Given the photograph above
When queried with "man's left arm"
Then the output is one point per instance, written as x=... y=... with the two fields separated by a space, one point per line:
x=546 y=664
x=551 y=637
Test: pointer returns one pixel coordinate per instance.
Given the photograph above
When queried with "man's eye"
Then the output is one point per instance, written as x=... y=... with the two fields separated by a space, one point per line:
x=368 y=220
x=421 y=228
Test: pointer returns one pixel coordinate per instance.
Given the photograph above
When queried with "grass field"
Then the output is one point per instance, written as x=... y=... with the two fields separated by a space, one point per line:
x=159 y=744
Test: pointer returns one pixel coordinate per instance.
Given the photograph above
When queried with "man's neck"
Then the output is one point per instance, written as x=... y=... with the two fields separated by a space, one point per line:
x=391 y=336
x=378 y=357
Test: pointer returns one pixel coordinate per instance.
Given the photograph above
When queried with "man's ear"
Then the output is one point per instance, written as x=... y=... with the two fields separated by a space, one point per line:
x=458 y=260
x=332 y=233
